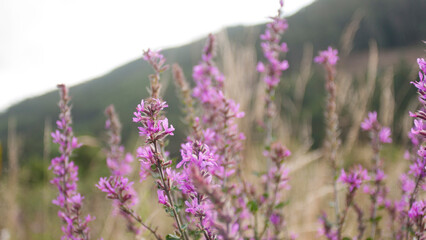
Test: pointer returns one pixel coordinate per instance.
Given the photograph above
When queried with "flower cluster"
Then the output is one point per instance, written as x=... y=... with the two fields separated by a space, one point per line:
x=197 y=155
x=354 y=178
x=117 y=186
x=155 y=128
x=117 y=161
x=411 y=212
x=148 y=114
x=327 y=57
x=372 y=125
x=219 y=114
x=272 y=49
x=66 y=175
x=332 y=142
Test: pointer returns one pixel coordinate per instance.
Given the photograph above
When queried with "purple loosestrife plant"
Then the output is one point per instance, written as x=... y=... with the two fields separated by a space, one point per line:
x=117 y=186
x=216 y=129
x=66 y=175
x=377 y=191
x=415 y=223
x=276 y=178
x=219 y=125
x=197 y=156
x=328 y=59
x=273 y=48
x=155 y=128
x=352 y=181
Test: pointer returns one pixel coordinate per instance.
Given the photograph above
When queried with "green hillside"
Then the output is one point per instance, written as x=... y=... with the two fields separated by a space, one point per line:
x=393 y=23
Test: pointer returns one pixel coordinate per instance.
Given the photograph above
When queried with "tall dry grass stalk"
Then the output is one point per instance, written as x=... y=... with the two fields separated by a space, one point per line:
x=12 y=214
x=305 y=73
x=359 y=105
x=387 y=99
x=347 y=38
x=239 y=67
x=302 y=127
x=46 y=187
x=346 y=95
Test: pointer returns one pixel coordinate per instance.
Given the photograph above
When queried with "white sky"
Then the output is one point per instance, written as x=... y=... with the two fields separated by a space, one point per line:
x=46 y=42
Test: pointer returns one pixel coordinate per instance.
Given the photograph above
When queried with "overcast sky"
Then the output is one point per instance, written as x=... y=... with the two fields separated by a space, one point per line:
x=46 y=42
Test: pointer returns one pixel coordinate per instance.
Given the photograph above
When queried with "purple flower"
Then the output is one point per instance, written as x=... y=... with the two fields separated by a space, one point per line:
x=422 y=64
x=196 y=208
x=418 y=168
x=163 y=199
x=380 y=175
x=419 y=127
x=385 y=135
x=147 y=114
x=155 y=59
x=275 y=219
x=117 y=161
x=417 y=211
x=118 y=188
x=66 y=174
x=217 y=128
x=407 y=184
x=354 y=178
x=369 y=122
x=328 y=57
x=272 y=49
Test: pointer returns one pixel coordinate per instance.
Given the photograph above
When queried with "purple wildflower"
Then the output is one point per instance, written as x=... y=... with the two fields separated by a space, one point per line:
x=272 y=49
x=69 y=200
x=385 y=135
x=155 y=59
x=328 y=57
x=155 y=128
x=417 y=169
x=370 y=122
x=418 y=210
x=407 y=184
x=354 y=178
x=147 y=114
x=163 y=199
x=219 y=115
x=117 y=186
x=410 y=184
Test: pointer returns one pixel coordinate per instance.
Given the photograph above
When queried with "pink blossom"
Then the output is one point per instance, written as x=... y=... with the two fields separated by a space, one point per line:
x=385 y=135
x=162 y=199
x=370 y=121
x=328 y=56
x=354 y=178
x=418 y=210
x=66 y=174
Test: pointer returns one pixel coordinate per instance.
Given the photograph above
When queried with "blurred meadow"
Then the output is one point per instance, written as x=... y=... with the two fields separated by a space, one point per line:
x=378 y=42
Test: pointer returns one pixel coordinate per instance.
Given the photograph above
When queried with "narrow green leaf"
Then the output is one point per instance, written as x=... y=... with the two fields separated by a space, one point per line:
x=172 y=237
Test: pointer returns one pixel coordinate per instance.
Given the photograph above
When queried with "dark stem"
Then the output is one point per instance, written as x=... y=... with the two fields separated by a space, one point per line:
x=168 y=193
x=139 y=220
x=412 y=198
